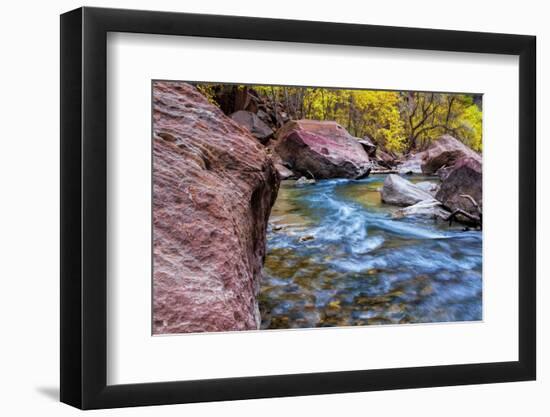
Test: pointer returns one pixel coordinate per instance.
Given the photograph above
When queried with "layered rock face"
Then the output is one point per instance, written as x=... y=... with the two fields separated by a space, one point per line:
x=464 y=178
x=445 y=152
x=213 y=188
x=400 y=192
x=321 y=149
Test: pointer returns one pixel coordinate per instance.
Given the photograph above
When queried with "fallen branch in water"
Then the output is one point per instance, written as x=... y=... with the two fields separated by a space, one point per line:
x=474 y=202
x=312 y=176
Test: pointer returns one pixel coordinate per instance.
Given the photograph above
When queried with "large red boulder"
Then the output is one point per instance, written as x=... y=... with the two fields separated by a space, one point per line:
x=444 y=152
x=323 y=149
x=213 y=188
x=464 y=178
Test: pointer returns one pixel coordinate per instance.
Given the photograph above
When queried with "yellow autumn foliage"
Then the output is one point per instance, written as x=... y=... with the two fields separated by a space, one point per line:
x=398 y=121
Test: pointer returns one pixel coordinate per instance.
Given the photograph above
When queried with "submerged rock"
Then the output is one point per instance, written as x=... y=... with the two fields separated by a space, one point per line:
x=304 y=181
x=213 y=188
x=306 y=238
x=401 y=192
x=254 y=124
x=428 y=209
x=322 y=149
x=465 y=178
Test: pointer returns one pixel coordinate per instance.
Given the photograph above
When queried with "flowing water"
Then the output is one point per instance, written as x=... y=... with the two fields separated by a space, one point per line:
x=336 y=257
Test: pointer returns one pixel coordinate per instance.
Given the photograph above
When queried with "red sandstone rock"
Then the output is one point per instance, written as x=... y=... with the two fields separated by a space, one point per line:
x=465 y=178
x=213 y=188
x=322 y=149
x=444 y=152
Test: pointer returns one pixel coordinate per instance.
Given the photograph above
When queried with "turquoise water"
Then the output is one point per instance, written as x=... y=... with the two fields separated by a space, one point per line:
x=336 y=257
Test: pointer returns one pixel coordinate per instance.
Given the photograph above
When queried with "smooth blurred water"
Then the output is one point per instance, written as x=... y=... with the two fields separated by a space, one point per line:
x=356 y=265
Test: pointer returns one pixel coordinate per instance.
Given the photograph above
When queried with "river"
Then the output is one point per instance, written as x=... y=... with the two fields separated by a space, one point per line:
x=336 y=257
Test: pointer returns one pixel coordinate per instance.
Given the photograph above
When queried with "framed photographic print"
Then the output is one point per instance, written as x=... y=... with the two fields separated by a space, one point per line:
x=257 y=208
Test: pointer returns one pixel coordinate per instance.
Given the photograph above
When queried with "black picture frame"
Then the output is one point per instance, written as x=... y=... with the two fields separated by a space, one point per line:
x=84 y=207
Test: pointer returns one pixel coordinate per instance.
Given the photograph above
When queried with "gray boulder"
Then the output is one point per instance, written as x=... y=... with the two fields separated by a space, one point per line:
x=401 y=192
